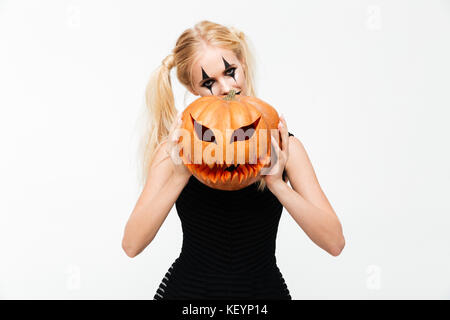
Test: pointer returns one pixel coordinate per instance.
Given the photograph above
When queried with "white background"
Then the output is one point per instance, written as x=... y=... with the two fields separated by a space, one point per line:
x=363 y=84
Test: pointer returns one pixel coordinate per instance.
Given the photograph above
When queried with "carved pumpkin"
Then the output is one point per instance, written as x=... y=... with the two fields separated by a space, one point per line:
x=226 y=139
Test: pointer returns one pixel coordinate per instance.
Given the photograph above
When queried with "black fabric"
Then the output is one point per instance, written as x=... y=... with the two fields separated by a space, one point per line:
x=228 y=249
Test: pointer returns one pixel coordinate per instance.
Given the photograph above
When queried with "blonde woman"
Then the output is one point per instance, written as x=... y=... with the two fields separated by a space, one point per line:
x=229 y=237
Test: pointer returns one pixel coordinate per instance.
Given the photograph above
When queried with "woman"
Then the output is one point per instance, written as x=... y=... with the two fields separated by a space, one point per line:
x=228 y=236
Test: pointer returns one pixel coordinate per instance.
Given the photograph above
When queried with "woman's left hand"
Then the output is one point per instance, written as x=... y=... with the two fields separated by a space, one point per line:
x=275 y=174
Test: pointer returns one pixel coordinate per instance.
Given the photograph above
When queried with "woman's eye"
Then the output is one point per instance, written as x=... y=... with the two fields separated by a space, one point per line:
x=208 y=83
x=230 y=72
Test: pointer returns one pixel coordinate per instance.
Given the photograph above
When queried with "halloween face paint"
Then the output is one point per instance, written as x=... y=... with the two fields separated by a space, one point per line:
x=229 y=71
x=216 y=71
x=206 y=83
x=228 y=68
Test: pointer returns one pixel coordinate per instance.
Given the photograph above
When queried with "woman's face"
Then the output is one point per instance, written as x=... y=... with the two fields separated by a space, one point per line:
x=216 y=71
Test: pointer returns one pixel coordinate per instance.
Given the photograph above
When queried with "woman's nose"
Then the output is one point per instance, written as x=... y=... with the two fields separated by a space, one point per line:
x=225 y=91
x=225 y=88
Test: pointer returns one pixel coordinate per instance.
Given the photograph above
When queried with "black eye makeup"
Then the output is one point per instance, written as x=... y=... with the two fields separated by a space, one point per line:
x=205 y=77
x=208 y=82
x=227 y=68
x=230 y=72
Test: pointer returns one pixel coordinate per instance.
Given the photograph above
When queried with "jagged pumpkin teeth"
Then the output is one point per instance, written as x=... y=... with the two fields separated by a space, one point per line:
x=244 y=170
x=241 y=176
x=247 y=172
x=235 y=177
x=214 y=176
x=210 y=165
x=252 y=172
x=226 y=175
x=204 y=174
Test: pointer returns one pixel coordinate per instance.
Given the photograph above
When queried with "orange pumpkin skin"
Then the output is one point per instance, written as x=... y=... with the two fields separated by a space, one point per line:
x=242 y=157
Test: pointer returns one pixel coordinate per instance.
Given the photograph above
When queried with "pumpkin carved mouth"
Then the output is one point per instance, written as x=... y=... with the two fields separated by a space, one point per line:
x=227 y=173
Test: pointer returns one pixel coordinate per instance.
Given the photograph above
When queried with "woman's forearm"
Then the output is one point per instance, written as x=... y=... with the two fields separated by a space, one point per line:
x=148 y=216
x=322 y=227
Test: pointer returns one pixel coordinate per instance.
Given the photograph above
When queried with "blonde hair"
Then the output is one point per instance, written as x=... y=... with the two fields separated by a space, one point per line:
x=159 y=99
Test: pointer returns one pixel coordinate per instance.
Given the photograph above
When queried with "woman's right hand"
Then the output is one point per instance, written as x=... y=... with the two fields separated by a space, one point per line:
x=180 y=170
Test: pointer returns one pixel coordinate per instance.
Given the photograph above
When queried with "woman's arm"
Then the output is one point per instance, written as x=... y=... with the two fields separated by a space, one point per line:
x=160 y=192
x=307 y=203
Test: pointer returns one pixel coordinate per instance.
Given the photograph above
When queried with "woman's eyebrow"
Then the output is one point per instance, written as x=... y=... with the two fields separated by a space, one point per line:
x=205 y=76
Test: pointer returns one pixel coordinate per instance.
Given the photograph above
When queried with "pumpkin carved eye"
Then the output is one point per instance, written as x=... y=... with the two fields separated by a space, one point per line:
x=244 y=133
x=203 y=133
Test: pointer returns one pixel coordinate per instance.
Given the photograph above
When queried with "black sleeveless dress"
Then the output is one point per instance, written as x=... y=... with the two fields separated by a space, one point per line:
x=228 y=249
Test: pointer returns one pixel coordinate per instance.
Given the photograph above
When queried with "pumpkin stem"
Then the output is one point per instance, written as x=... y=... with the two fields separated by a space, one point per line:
x=231 y=95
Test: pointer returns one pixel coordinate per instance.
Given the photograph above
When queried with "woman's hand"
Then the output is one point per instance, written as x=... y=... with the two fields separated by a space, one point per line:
x=173 y=150
x=275 y=174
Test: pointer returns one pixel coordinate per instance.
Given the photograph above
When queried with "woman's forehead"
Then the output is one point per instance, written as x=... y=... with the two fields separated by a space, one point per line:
x=213 y=61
